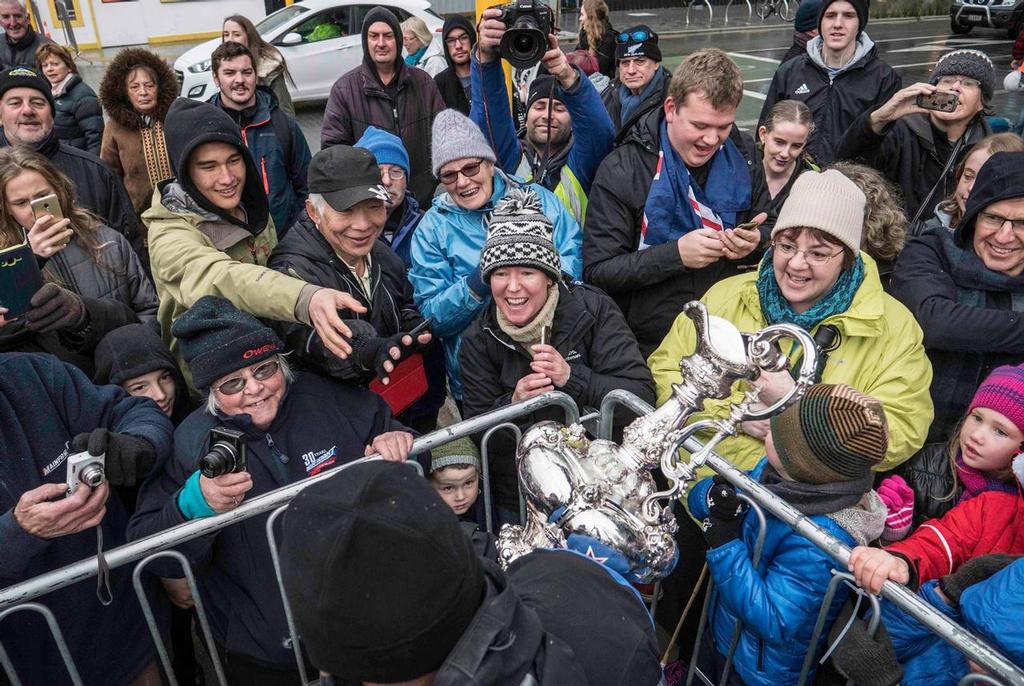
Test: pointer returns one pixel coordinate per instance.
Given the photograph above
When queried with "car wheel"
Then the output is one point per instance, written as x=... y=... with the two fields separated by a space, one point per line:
x=960 y=28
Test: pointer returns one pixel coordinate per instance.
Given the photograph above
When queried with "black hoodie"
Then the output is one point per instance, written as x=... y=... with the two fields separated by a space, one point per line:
x=191 y=123
x=388 y=17
x=448 y=82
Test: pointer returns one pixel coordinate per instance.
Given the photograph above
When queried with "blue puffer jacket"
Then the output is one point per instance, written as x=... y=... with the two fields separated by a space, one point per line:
x=446 y=249
x=777 y=601
x=991 y=609
x=284 y=180
x=402 y=229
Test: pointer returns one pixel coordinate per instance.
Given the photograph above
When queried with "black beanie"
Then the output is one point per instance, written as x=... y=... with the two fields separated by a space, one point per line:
x=216 y=338
x=1000 y=178
x=380 y=576
x=189 y=124
x=634 y=48
x=385 y=15
x=23 y=77
x=861 y=6
x=544 y=86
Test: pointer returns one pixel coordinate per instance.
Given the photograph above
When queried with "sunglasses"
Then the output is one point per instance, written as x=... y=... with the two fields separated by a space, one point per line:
x=236 y=384
x=451 y=176
x=633 y=36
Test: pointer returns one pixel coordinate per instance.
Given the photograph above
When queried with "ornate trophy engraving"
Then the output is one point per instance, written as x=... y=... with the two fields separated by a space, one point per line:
x=603 y=494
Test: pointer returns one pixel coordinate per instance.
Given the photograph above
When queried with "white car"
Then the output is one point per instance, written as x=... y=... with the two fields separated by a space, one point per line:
x=320 y=39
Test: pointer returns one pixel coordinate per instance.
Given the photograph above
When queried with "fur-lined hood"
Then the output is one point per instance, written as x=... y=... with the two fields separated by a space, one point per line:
x=114 y=94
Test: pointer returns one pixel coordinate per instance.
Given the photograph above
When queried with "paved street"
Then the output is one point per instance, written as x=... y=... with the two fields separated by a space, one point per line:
x=909 y=46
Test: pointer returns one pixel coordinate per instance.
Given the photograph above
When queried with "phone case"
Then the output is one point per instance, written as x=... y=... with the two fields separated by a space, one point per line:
x=20 y=278
x=407 y=384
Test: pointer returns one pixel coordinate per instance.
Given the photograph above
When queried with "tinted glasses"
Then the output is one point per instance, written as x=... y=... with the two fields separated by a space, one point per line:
x=235 y=384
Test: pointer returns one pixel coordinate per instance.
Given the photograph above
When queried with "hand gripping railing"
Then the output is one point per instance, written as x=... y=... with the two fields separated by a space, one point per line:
x=964 y=641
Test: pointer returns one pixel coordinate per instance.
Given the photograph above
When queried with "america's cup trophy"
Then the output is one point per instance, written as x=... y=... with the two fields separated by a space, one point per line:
x=600 y=498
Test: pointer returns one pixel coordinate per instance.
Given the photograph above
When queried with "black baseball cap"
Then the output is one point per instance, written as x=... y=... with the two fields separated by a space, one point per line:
x=345 y=175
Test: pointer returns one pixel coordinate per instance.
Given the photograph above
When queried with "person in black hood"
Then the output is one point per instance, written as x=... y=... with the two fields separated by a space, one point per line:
x=459 y=37
x=385 y=93
x=386 y=588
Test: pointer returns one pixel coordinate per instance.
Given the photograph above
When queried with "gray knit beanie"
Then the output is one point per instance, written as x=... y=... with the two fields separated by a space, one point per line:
x=461 y=452
x=971 y=63
x=826 y=201
x=519 y=234
x=456 y=137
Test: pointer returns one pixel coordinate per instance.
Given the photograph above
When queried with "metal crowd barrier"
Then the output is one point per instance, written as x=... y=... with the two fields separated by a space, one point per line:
x=16 y=598
x=762 y=500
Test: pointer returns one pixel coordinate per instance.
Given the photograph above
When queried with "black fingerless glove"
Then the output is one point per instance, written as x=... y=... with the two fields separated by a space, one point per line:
x=128 y=459
x=725 y=514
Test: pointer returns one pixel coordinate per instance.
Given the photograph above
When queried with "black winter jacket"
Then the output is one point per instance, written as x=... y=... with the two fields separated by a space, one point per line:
x=97 y=188
x=928 y=473
x=448 y=83
x=834 y=102
x=320 y=424
x=592 y=336
x=605 y=49
x=763 y=197
x=22 y=53
x=650 y=286
x=78 y=120
x=612 y=99
x=905 y=154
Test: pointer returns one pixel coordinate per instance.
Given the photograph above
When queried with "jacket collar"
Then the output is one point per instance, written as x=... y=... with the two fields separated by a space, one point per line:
x=861 y=56
x=258 y=112
x=221 y=233
x=48 y=147
x=921 y=126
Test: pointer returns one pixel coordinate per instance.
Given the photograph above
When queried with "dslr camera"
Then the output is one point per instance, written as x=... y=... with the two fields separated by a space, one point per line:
x=225 y=455
x=527 y=25
x=85 y=469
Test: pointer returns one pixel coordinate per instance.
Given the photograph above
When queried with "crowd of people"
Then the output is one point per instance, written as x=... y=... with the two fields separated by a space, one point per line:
x=222 y=313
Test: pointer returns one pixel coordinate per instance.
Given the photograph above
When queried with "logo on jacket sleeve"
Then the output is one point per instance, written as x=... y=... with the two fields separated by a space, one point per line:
x=315 y=461
x=802 y=90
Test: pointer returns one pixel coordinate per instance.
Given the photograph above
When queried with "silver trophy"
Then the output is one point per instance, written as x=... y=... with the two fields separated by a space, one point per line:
x=604 y=493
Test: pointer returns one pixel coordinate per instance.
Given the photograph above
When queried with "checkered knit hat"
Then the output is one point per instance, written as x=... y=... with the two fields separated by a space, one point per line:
x=833 y=433
x=1003 y=391
x=972 y=63
x=519 y=234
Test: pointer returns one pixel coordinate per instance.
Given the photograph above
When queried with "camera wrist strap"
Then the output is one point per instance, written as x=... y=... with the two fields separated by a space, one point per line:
x=103 y=593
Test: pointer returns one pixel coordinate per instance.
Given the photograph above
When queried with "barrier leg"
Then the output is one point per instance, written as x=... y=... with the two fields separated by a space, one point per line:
x=58 y=638
x=275 y=557
x=485 y=464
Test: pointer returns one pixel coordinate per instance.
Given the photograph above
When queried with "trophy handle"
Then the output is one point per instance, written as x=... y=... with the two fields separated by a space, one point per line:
x=765 y=353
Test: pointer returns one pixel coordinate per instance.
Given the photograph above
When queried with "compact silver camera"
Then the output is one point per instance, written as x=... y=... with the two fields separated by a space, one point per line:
x=85 y=469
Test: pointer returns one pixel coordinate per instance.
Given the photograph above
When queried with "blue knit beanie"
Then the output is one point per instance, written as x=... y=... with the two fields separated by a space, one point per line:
x=386 y=147
x=807 y=15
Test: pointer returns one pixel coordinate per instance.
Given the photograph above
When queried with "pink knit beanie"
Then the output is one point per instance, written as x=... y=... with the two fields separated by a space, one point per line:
x=1003 y=391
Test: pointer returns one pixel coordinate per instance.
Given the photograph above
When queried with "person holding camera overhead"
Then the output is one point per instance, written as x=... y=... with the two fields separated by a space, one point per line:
x=262 y=427
x=918 y=137
x=568 y=131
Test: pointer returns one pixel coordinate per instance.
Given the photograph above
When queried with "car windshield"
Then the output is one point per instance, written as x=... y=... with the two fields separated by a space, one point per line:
x=433 y=13
x=280 y=17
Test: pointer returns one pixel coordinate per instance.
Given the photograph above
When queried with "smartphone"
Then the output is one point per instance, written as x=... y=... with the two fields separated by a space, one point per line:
x=20 y=278
x=747 y=226
x=940 y=101
x=420 y=328
x=545 y=335
x=48 y=204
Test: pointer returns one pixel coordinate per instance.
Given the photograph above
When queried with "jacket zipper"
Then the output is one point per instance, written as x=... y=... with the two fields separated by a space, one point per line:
x=394 y=113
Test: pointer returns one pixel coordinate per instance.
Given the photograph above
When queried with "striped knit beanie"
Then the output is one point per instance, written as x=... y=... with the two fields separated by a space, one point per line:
x=1003 y=391
x=519 y=234
x=833 y=433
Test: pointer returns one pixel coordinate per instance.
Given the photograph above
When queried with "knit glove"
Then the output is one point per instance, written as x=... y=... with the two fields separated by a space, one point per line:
x=128 y=459
x=725 y=509
x=55 y=309
x=372 y=352
x=899 y=501
x=868 y=661
x=972 y=572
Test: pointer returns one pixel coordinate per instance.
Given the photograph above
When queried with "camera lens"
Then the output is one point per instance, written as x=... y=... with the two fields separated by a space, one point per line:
x=91 y=475
x=523 y=48
x=219 y=461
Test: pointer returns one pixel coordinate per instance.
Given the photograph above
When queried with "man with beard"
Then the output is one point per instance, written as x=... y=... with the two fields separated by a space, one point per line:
x=459 y=38
x=21 y=40
x=568 y=131
x=273 y=138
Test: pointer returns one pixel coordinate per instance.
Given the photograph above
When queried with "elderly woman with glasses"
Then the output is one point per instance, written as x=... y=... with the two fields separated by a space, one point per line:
x=816 y=277
x=287 y=427
x=966 y=289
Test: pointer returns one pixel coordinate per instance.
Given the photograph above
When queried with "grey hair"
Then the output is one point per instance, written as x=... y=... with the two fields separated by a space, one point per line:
x=315 y=199
x=19 y=3
x=289 y=376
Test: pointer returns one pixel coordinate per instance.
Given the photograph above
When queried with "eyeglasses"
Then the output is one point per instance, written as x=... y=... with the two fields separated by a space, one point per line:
x=950 y=81
x=395 y=173
x=236 y=384
x=816 y=258
x=995 y=221
x=627 y=36
x=453 y=40
x=452 y=175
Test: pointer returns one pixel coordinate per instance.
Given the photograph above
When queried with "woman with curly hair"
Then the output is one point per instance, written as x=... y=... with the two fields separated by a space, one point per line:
x=597 y=35
x=271 y=68
x=137 y=90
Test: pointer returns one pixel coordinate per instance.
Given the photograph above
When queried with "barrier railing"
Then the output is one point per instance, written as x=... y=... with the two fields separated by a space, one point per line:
x=16 y=598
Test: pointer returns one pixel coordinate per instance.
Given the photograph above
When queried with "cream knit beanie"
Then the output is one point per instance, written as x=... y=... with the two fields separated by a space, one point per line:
x=827 y=201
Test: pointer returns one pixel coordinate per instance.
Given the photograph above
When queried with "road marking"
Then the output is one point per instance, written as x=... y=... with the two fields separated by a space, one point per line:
x=755 y=94
x=752 y=57
x=928 y=47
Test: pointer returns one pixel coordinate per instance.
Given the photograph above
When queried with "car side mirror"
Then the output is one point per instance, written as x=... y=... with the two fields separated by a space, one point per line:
x=291 y=38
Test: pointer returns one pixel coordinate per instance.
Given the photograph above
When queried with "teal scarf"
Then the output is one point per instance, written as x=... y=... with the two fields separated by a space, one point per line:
x=413 y=59
x=776 y=309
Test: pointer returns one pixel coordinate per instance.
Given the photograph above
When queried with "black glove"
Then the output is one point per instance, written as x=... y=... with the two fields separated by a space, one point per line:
x=972 y=572
x=55 y=309
x=128 y=459
x=725 y=510
x=373 y=351
x=867 y=661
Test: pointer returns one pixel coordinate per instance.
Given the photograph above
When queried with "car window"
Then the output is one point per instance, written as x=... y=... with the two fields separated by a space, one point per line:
x=279 y=18
x=332 y=23
x=361 y=11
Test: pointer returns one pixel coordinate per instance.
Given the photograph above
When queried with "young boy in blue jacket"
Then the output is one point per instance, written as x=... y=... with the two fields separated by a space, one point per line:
x=820 y=453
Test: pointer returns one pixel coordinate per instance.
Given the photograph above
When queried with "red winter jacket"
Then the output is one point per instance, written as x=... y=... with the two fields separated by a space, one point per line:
x=1017 y=54
x=992 y=522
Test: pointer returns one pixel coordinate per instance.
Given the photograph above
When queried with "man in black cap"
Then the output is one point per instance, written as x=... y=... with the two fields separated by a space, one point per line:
x=641 y=84
x=839 y=77
x=210 y=233
x=335 y=245
x=919 y=149
x=26 y=113
x=386 y=589
x=459 y=38
x=568 y=131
